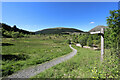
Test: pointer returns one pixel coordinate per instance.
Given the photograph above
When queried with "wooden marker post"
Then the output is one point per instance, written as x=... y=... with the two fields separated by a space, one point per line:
x=102 y=41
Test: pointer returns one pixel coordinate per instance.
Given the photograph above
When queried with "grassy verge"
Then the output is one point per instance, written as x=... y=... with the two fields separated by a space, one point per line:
x=21 y=53
x=80 y=66
x=86 y=64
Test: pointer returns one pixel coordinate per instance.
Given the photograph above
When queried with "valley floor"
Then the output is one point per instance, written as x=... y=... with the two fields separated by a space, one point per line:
x=80 y=66
x=32 y=71
x=21 y=53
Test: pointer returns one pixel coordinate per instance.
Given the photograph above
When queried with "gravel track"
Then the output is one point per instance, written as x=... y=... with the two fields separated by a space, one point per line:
x=32 y=71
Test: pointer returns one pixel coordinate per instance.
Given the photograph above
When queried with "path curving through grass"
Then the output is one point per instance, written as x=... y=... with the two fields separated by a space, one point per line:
x=32 y=71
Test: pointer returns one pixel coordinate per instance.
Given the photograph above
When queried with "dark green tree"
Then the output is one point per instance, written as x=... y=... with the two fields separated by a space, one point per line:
x=113 y=22
x=83 y=40
x=90 y=41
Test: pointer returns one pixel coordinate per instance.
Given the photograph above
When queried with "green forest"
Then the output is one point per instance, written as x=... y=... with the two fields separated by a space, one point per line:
x=22 y=49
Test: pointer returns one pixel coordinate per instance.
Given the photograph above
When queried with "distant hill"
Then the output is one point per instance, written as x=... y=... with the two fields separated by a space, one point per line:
x=6 y=30
x=97 y=28
x=59 y=30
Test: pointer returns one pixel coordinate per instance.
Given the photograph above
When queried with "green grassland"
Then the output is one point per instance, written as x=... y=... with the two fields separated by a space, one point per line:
x=20 y=53
x=85 y=64
x=80 y=66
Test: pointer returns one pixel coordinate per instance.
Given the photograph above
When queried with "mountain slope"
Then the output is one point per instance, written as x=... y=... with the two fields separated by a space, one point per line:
x=58 y=30
x=97 y=28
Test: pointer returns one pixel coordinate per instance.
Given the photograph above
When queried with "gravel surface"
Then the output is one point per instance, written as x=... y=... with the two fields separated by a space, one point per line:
x=32 y=71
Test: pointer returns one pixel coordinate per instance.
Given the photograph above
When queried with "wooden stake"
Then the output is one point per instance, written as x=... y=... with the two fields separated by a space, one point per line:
x=102 y=43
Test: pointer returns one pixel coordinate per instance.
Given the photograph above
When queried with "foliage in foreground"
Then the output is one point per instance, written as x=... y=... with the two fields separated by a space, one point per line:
x=109 y=68
x=113 y=32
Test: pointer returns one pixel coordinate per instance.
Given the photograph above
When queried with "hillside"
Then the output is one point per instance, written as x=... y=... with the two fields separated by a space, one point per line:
x=97 y=28
x=59 y=30
x=7 y=31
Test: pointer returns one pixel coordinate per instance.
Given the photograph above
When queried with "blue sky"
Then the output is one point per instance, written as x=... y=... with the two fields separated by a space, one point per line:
x=34 y=16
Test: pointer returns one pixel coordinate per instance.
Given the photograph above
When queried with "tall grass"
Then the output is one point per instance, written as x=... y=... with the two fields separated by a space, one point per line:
x=21 y=53
x=80 y=66
x=86 y=64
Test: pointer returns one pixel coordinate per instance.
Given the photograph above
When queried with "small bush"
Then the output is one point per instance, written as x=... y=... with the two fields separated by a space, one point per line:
x=68 y=41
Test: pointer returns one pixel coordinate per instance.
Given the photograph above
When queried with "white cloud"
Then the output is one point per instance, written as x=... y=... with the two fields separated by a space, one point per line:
x=92 y=22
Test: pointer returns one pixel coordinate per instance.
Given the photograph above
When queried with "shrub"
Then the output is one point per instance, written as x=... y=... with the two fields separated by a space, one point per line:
x=15 y=34
x=68 y=41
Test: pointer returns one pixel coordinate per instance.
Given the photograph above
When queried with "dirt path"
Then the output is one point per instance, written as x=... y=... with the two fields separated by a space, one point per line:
x=32 y=71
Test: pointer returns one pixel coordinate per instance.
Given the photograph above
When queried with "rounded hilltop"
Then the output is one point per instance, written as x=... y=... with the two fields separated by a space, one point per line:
x=58 y=30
